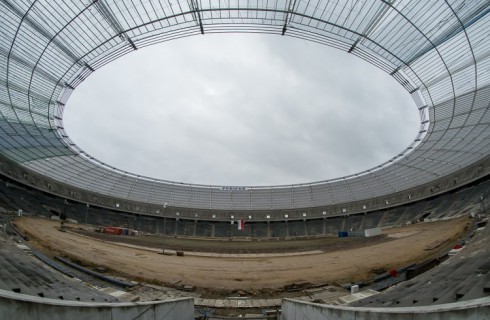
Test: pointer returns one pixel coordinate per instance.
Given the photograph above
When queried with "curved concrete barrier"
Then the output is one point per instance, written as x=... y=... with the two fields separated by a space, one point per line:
x=478 y=309
x=20 y=306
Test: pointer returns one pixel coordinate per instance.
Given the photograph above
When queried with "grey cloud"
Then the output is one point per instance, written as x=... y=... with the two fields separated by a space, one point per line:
x=241 y=110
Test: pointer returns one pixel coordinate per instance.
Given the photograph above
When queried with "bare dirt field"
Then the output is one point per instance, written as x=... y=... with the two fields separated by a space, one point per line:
x=325 y=260
x=240 y=246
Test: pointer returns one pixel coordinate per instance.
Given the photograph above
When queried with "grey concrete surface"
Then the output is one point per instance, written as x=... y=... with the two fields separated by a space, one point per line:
x=478 y=309
x=19 y=306
x=21 y=273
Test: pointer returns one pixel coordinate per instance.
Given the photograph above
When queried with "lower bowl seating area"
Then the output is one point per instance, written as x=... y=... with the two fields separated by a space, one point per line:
x=21 y=272
x=464 y=276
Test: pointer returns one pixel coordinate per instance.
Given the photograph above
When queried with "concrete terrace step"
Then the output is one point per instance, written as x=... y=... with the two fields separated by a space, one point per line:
x=22 y=273
x=237 y=303
x=358 y=296
x=121 y=295
x=327 y=295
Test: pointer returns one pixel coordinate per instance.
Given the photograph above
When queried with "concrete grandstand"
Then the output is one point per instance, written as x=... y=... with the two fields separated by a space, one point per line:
x=438 y=52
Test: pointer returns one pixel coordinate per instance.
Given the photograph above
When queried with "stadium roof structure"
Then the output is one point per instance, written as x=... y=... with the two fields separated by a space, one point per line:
x=437 y=50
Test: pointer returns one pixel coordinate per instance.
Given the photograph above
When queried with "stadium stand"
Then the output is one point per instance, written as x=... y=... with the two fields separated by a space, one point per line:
x=462 y=201
x=454 y=287
x=464 y=276
x=450 y=150
x=21 y=272
x=437 y=51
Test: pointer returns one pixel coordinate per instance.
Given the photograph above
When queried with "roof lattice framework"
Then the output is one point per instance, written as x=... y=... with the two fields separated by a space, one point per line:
x=437 y=50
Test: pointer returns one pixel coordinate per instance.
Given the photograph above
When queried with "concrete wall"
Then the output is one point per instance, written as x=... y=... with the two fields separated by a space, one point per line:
x=478 y=309
x=372 y=232
x=19 y=306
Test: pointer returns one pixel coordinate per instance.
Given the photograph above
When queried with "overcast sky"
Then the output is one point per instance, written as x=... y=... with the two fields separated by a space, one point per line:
x=241 y=110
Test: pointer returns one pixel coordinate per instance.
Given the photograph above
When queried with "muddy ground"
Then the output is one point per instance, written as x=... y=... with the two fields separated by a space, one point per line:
x=268 y=266
x=241 y=246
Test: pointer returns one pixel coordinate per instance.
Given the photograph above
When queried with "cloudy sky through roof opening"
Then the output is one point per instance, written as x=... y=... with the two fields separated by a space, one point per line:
x=240 y=109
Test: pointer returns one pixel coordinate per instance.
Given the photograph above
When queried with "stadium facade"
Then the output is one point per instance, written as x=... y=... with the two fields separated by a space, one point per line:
x=438 y=51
